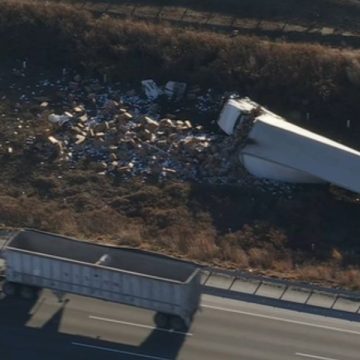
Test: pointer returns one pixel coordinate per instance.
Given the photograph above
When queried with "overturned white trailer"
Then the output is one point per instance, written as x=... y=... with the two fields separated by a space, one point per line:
x=273 y=148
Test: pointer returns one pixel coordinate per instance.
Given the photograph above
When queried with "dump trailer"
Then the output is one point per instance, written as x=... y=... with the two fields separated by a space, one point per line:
x=33 y=260
x=273 y=148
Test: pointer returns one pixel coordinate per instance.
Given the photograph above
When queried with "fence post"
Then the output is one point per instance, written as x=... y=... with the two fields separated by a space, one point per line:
x=258 y=287
x=283 y=293
x=308 y=298
x=232 y=282
x=207 y=278
x=283 y=27
x=357 y=311
x=334 y=302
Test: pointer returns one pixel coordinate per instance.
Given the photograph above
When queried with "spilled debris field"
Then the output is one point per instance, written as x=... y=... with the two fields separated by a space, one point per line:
x=111 y=135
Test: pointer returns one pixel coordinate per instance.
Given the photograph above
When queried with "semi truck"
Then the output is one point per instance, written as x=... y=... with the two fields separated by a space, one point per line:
x=32 y=260
x=270 y=147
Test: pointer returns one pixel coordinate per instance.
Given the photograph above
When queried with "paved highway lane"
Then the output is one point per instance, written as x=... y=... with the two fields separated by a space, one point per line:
x=83 y=328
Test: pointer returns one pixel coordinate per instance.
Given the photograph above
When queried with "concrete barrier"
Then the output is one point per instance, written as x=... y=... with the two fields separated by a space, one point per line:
x=236 y=282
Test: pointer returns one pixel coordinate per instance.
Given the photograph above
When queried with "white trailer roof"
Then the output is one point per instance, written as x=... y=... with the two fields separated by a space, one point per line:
x=126 y=259
x=286 y=144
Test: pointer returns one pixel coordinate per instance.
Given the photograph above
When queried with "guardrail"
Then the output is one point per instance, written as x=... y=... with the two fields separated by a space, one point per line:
x=282 y=290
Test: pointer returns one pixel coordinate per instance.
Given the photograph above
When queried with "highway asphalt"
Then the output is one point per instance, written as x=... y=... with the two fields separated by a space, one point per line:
x=86 y=329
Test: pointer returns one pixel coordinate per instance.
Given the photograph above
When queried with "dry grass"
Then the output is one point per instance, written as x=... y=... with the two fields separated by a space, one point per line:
x=315 y=79
x=334 y=275
x=218 y=225
x=175 y=219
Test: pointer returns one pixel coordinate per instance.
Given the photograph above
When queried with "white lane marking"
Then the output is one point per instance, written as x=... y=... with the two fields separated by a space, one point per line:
x=139 y=325
x=119 y=351
x=282 y=319
x=314 y=356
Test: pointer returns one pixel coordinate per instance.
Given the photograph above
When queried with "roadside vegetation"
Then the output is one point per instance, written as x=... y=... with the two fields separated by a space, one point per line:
x=338 y=13
x=311 y=236
x=321 y=81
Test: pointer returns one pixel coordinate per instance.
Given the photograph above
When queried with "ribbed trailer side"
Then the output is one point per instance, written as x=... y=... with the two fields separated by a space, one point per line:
x=282 y=143
x=103 y=279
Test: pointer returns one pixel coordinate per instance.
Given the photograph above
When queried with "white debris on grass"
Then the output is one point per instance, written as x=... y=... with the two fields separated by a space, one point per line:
x=58 y=119
x=128 y=133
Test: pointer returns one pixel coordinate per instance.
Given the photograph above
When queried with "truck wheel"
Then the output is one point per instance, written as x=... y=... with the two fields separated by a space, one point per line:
x=161 y=320
x=27 y=292
x=177 y=323
x=9 y=288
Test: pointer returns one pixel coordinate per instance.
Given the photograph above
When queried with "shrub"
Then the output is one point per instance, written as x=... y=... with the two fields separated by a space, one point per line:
x=260 y=258
x=203 y=246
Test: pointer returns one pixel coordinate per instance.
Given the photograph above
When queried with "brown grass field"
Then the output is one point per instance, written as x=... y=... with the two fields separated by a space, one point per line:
x=312 y=236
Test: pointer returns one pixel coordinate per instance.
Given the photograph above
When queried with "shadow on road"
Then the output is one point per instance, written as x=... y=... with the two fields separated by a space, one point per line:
x=18 y=340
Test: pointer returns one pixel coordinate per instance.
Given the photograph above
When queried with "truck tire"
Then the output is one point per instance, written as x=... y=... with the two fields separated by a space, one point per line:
x=27 y=292
x=161 y=320
x=9 y=288
x=177 y=323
